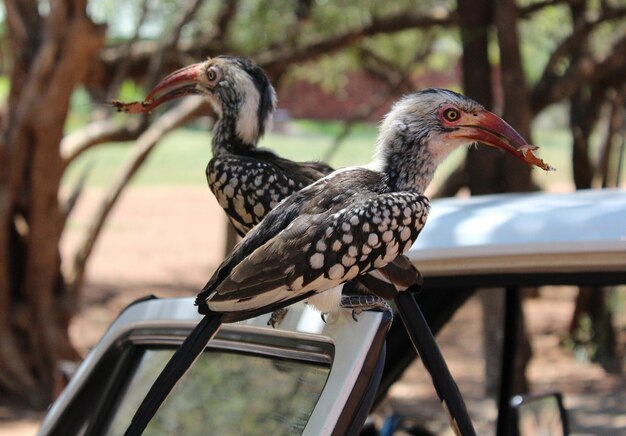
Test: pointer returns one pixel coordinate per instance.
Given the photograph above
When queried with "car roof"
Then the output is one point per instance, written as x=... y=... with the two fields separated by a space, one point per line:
x=531 y=232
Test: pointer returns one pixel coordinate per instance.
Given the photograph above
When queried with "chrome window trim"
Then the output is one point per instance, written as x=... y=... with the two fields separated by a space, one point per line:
x=351 y=342
x=321 y=356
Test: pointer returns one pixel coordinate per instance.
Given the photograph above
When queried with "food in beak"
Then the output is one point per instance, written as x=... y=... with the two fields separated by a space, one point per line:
x=177 y=84
x=529 y=157
x=488 y=128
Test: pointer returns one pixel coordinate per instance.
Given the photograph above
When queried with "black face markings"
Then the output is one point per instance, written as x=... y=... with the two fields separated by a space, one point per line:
x=263 y=86
x=230 y=99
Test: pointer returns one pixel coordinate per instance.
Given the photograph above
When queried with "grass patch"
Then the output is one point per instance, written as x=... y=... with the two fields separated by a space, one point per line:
x=182 y=155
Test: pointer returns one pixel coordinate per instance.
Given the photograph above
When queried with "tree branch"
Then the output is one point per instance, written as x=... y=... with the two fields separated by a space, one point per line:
x=126 y=48
x=396 y=80
x=616 y=111
x=552 y=87
x=172 y=119
x=96 y=133
x=277 y=61
x=229 y=11
x=170 y=40
x=528 y=10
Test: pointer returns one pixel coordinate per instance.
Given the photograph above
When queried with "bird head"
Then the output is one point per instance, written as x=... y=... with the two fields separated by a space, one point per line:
x=422 y=128
x=235 y=86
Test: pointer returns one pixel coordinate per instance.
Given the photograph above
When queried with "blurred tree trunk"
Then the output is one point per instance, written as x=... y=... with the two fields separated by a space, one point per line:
x=518 y=112
x=489 y=171
x=591 y=326
x=610 y=158
x=584 y=108
x=481 y=167
x=50 y=56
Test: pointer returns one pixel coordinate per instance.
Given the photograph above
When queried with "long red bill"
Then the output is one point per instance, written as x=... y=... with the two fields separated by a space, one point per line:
x=490 y=129
x=177 y=84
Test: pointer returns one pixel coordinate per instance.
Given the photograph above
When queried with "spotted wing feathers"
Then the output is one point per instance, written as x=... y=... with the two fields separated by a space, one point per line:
x=322 y=249
x=247 y=187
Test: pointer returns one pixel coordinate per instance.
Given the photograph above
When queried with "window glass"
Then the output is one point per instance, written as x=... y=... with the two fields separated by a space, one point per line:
x=227 y=393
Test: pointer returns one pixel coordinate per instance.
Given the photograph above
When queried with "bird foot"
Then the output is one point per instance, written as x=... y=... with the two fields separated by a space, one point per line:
x=277 y=317
x=329 y=317
x=360 y=303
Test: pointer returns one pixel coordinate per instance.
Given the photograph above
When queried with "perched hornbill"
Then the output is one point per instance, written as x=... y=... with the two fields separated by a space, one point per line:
x=348 y=223
x=246 y=180
x=249 y=181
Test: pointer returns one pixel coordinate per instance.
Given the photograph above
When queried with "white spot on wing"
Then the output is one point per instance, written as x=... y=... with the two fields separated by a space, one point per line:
x=336 y=272
x=259 y=210
x=297 y=283
x=229 y=191
x=352 y=272
x=317 y=261
x=347 y=261
x=372 y=239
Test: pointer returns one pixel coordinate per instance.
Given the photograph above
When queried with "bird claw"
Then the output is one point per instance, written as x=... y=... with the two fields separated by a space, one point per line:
x=354 y=315
x=277 y=317
x=323 y=315
x=360 y=303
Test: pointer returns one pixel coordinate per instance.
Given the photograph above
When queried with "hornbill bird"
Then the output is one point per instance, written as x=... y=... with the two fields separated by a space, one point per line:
x=249 y=181
x=346 y=224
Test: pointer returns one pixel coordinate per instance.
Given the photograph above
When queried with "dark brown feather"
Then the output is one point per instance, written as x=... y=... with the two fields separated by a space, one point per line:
x=358 y=226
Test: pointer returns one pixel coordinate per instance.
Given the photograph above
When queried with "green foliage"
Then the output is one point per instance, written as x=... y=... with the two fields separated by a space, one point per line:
x=80 y=109
x=5 y=85
x=260 y=24
x=122 y=17
x=130 y=91
x=539 y=37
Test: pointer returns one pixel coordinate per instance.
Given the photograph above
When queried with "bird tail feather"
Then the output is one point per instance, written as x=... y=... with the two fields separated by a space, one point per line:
x=177 y=366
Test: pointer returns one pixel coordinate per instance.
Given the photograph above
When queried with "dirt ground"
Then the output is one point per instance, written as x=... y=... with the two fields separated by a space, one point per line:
x=167 y=242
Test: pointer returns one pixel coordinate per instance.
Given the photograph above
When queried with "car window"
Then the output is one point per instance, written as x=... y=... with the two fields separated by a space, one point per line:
x=233 y=393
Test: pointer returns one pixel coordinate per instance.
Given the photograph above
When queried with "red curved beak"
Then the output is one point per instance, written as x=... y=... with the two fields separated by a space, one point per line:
x=490 y=129
x=178 y=84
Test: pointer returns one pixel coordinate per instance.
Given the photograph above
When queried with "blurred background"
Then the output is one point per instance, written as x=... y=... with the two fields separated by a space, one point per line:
x=99 y=208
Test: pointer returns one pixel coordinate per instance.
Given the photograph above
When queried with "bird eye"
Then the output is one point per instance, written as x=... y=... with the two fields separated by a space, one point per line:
x=451 y=114
x=211 y=74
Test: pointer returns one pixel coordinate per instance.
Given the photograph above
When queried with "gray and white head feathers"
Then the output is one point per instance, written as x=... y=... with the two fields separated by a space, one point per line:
x=410 y=133
x=245 y=93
